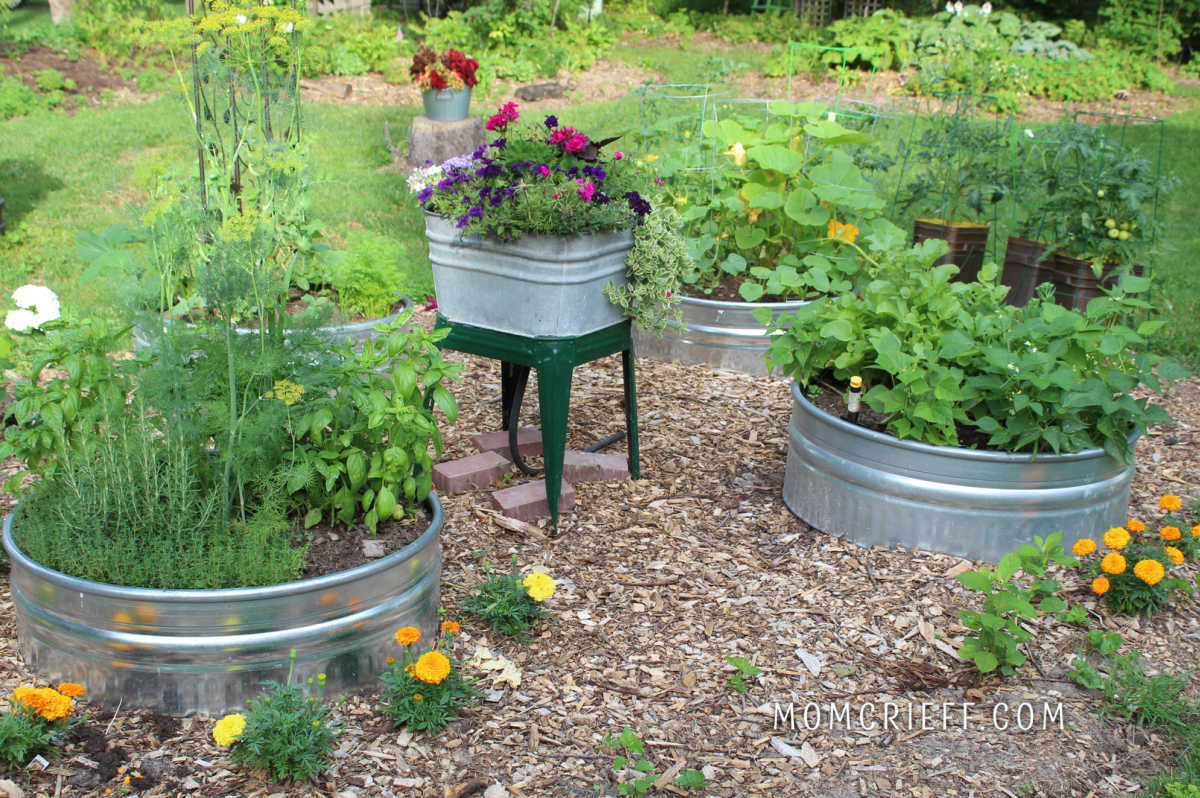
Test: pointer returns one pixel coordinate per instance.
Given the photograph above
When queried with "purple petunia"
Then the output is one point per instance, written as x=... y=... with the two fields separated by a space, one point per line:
x=552 y=121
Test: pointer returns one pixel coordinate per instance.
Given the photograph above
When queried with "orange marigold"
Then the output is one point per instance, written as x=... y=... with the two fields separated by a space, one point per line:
x=1196 y=531
x=407 y=635
x=71 y=689
x=49 y=703
x=1113 y=563
x=1170 y=503
x=451 y=626
x=1084 y=547
x=1100 y=585
x=1170 y=533
x=1174 y=554
x=1136 y=525
x=1116 y=538
x=432 y=667
x=1149 y=571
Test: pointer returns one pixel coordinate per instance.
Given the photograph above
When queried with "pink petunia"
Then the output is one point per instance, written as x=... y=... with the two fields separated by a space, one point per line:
x=575 y=143
x=618 y=156
x=544 y=170
x=586 y=190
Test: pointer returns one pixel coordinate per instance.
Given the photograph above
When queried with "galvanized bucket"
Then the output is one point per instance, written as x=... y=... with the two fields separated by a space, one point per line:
x=335 y=333
x=724 y=335
x=536 y=286
x=446 y=105
x=877 y=490
x=208 y=651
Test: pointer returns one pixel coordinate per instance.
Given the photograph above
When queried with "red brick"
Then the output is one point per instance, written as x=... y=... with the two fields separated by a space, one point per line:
x=527 y=501
x=529 y=441
x=594 y=467
x=470 y=473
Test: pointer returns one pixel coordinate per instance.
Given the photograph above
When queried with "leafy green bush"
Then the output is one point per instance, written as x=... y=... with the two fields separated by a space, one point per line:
x=17 y=99
x=366 y=275
x=288 y=732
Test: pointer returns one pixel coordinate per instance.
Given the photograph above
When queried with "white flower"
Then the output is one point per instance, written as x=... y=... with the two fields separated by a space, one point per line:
x=958 y=8
x=241 y=19
x=832 y=116
x=949 y=8
x=38 y=305
x=20 y=320
x=986 y=8
x=288 y=27
x=1029 y=132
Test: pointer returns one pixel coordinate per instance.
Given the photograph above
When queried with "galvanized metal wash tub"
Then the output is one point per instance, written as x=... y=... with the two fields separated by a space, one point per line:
x=875 y=489
x=207 y=651
x=724 y=335
x=536 y=286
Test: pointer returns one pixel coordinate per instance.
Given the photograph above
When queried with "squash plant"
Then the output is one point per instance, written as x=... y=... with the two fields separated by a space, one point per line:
x=769 y=219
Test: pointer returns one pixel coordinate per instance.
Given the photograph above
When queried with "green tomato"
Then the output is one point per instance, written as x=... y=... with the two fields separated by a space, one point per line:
x=1110 y=223
x=1100 y=193
x=1124 y=235
x=1113 y=232
x=1124 y=225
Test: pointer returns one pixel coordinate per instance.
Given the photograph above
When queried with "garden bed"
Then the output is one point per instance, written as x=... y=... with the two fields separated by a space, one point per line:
x=659 y=581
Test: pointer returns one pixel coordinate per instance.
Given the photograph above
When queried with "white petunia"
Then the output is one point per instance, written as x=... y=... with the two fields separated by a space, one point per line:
x=958 y=8
x=949 y=8
x=38 y=305
x=241 y=19
x=20 y=320
x=986 y=8
x=31 y=296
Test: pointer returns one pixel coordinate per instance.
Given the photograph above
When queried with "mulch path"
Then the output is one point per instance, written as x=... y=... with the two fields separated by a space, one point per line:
x=659 y=580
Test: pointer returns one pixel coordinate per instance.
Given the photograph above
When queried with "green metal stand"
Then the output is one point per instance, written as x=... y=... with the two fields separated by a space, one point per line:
x=555 y=360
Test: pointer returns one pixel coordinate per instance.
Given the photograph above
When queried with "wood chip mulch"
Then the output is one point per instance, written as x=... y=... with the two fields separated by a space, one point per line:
x=659 y=581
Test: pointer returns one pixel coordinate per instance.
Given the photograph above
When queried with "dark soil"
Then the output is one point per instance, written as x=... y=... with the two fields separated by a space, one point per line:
x=89 y=75
x=727 y=291
x=340 y=548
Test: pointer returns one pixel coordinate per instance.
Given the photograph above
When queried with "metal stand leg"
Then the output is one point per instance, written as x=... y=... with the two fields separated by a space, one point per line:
x=635 y=460
x=554 y=394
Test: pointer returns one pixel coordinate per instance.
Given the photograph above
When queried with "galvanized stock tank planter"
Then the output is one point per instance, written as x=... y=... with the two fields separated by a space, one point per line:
x=724 y=335
x=878 y=490
x=207 y=651
x=537 y=286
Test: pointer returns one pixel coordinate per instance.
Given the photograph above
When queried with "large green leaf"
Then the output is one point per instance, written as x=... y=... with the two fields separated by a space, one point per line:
x=776 y=158
x=802 y=207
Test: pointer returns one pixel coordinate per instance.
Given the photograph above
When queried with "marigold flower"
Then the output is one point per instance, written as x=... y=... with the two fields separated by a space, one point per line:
x=71 y=689
x=1170 y=502
x=1136 y=525
x=407 y=635
x=432 y=667
x=1116 y=538
x=1196 y=531
x=390 y=660
x=229 y=729
x=1084 y=547
x=1113 y=563
x=539 y=586
x=1149 y=571
x=1100 y=585
x=451 y=626
x=1174 y=554
x=1170 y=533
x=418 y=697
x=49 y=703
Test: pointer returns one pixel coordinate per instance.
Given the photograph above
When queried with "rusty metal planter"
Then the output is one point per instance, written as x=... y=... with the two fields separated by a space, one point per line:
x=878 y=490
x=208 y=651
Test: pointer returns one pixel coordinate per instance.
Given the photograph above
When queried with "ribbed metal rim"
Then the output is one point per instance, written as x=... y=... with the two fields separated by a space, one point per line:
x=722 y=304
x=223 y=594
x=883 y=439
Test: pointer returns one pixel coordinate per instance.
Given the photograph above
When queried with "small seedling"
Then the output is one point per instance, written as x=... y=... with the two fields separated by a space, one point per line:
x=735 y=681
x=630 y=762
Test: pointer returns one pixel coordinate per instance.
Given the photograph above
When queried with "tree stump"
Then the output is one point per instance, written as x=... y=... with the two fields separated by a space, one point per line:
x=440 y=141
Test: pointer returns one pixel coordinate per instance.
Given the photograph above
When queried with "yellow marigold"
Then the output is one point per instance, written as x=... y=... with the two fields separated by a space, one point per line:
x=390 y=660
x=1100 y=585
x=1113 y=563
x=47 y=702
x=452 y=627
x=407 y=635
x=539 y=586
x=1170 y=503
x=1174 y=554
x=1149 y=571
x=71 y=689
x=1136 y=525
x=1116 y=538
x=1084 y=547
x=1170 y=533
x=432 y=667
x=1196 y=531
x=229 y=729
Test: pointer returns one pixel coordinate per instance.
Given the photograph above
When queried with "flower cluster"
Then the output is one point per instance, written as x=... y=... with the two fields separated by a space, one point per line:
x=450 y=70
x=229 y=729
x=425 y=692
x=36 y=305
x=542 y=178
x=1132 y=575
x=539 y=586
x=50 y=704
x=37 y=717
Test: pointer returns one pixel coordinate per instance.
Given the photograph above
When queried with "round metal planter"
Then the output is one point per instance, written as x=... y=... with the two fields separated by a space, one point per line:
x=446 y=105
x=537 y=286
x=877 y=490
x=208 y=651
x=724 y=335
x=336 y=333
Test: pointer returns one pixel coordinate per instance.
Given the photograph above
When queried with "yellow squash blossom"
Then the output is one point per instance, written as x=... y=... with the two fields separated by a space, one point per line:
x=738 y=151
x=842 y=232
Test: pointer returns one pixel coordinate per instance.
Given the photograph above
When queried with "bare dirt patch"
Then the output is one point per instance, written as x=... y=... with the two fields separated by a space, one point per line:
x=89 y=77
